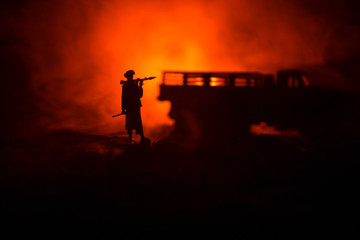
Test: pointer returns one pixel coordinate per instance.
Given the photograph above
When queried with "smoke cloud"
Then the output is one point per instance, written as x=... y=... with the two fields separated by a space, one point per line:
x=62 y=61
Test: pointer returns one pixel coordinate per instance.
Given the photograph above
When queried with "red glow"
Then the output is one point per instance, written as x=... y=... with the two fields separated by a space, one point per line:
x=80 y=53
x=263 y=129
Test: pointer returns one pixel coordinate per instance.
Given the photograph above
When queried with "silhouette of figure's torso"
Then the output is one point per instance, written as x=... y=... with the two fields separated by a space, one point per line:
x=131 y=94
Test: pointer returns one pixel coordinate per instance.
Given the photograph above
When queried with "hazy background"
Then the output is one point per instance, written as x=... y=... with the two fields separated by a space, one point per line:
x=62 y=60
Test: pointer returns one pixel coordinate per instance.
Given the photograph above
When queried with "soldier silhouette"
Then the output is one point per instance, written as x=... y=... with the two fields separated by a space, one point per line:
x=132 y=91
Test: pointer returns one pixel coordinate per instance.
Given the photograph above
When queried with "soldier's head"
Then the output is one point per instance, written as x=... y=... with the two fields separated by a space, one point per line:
x=129 y=75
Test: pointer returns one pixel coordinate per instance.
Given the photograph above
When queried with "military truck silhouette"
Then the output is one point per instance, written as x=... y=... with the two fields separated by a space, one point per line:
x=213 y=106
x=285 y=78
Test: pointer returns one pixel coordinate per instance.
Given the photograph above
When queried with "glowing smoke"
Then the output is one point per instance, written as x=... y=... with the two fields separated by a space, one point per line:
x=77 y=51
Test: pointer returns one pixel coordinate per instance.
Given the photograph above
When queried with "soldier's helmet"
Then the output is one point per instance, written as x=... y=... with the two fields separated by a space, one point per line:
x=129 y=74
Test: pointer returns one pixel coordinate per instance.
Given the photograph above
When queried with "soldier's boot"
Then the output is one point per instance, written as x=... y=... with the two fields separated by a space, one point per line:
x=145 y=141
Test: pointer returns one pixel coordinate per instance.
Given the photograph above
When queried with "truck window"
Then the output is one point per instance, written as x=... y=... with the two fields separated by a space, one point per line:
x=217 y=82
x=195 y=81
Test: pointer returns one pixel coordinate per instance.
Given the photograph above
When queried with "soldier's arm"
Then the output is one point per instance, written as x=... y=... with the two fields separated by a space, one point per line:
x=141 y=92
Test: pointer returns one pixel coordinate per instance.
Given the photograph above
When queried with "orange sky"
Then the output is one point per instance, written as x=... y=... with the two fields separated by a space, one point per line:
x=79 y=51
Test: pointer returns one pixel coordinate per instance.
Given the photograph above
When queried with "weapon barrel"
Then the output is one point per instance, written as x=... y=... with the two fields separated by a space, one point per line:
x=118 y=114
x=138 y=80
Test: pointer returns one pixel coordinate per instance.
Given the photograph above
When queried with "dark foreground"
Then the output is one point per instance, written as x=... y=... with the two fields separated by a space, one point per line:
x=69 y=176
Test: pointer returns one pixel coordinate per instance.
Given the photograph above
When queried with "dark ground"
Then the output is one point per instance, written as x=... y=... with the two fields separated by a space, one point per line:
x=70 y=176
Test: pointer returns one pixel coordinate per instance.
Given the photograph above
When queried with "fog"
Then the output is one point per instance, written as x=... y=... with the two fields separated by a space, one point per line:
x=62 y=61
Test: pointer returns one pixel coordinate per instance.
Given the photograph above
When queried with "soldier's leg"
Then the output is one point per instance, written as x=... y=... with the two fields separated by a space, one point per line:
x=143 y=140
x=130 y=135
x=141 y=132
